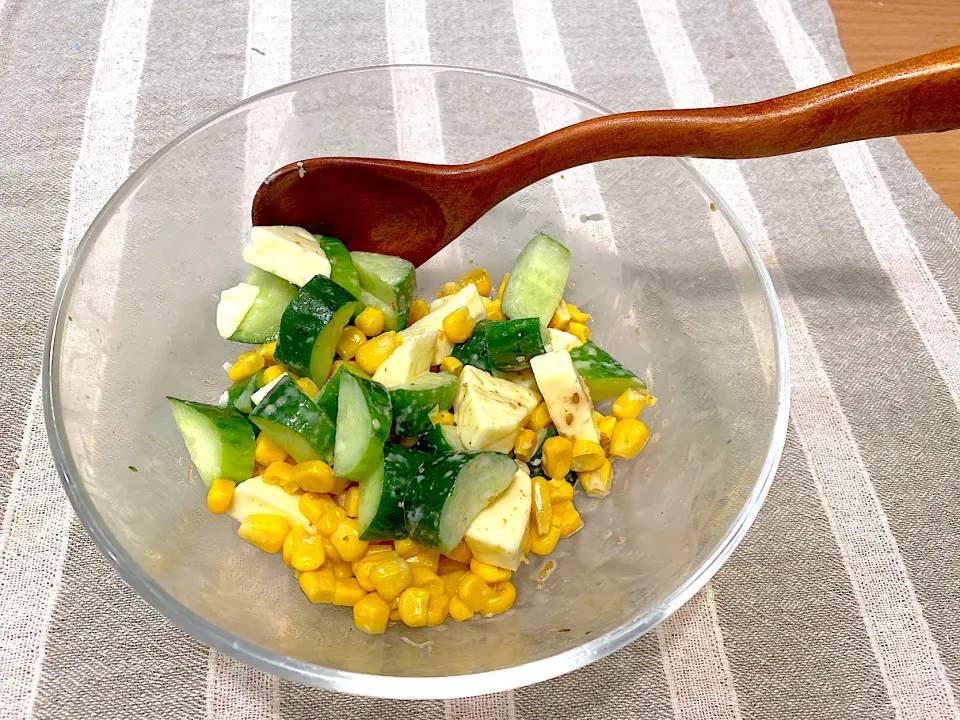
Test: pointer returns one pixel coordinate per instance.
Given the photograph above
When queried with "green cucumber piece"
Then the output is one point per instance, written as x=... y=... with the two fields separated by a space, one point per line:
x=474 y=350
x=537 y=280
x=384 y=494
x=413 y=402
x=448 y=493
x=342 y=271
x=363 y=424
x=368 y=299
x=239 y=394
x=391 y=279
x=536 y=460
x=605 y=377
x=441 y=440
x=329 y=394
x=511 y=343
x=311 y=327
x=294 y=422
x=262 y=321
x=220 y=441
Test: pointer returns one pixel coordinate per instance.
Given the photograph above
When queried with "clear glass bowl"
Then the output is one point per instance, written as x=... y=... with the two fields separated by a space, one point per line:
x=134 y=322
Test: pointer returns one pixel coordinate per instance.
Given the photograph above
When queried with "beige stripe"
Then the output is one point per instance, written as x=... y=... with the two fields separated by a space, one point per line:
x=484 y=707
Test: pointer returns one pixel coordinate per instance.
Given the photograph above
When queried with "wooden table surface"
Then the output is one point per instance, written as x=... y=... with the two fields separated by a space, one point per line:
x=877 y=32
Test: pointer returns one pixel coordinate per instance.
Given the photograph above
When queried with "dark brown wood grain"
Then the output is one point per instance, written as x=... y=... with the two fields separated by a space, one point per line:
x=415 y=209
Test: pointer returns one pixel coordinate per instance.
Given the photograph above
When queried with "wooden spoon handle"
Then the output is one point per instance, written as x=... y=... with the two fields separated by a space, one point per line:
x=918 y=95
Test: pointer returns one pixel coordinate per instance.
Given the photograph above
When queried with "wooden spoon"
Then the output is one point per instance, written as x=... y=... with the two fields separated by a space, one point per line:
x=415 y=209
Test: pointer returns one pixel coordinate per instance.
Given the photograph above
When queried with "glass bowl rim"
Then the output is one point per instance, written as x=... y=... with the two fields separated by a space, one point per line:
x=396 y=687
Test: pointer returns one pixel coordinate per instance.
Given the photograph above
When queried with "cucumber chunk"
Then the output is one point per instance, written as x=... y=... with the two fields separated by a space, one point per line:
x=511 y=343
x=391 y=279
x=537 y=280
x=329 y=394
x=294 y=422
x=474 y=350
x=239 y=394
x=605 y=377
x=262 y=321
x=234 y=305
x=441 y=440
x=342 y=271
x=220 y=441
x=363 y=424
x=368 y=299
x=311 y=326
x=384 y=494
x=413 y=402
x=450 y=491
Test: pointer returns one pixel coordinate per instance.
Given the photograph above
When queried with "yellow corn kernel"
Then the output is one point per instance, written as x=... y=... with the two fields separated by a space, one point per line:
x=429 y=559
x=295 y=532
x=266 y=351
x=528 y=540
x=371 y=614
x=446 y=565
x=272 y=373
x=473 y=591
x=308 y=386
x=363 y=566
x=458 y=325
x=629 y=437
x=406 y=547
x=264 y=531
x=576 y=315
x=246 y=365
x=346 y=539
x=330 y=520
x=451 y=581
x=597 y=482
x=503 y=286
x=560 y=490
x=307 y=552
x=629 y=403
x=413 y=605
x=570 y=520
x=461 y=553
x=341 y=570
x=350 y=339
x=545 y=545
x=220 y=495
x=418 y=310
x=351 y=503
x=541 y=510
x=448 y=289
x=587 y=455
x=391 y=577
x=409 y=441
x=489 y=573
x=319 y=585
x=373 y=352
x=605 y=425
x=370 y=321
x=278 y=473
x=459 y=610
x=333 y=367
x=438 y=607
x=314 y=505
x=348 y=592
x=441 y=417
x=557 y=456
x=525 y=444
x=560 y=318
x=428 y=579
x=502 y=599
x=539 y=418
x=478 y=277
x=313 y=476
x=495 y=310
x=580 y=331
x=339 y=485
x=267 y=451
x=451 y=365
x=330 y=552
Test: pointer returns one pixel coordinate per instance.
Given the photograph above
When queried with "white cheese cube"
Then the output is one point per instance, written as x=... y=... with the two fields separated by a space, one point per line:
x=233 y=307
x=286 y=251
x=523 y=378
x=490 y=411
x=411 y=360
x=496 y=535
x=560 y=340
x=567 y=398
x=255 y=496
x=469 y=298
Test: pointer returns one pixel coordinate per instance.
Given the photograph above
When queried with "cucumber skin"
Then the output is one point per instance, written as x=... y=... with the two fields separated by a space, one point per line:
x=237 y=448
x=238 y=394
x=402 y=294
x=515 y=302
x=474 y=350
x=411 y=416
x=262 y=322
x=342 y=271
x=434 y=441
x=510 y=340
x=605 y=377
x=400 y=467
x=304 y=319
x=330 y=390
x=290 y=407
x=378 y=404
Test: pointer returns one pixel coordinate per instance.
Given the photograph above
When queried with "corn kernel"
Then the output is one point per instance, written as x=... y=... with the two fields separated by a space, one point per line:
x=605 y=425
x=418 y=310
x=560 y=490
x=339 y=485
x=429 y=580
x=413 y=606
x=478 y=277
x=406 y=547
x=489 y=573
x=346 y=539
x=539 y=418
x=318 y=585
x=308 y=386
x=473 y=591
x=459 y=610
x=313 y=476
x=266 y=351
x=502 y=599
x=330 y=552
x=348 y=592
x=363 y=566
x=351 y=502
x=372 y=354
x=370 y=321
x=313 y=505
x=629 y=403
x=429 y=559
x=441 y=417
x=580 y=331
x=541 y=510
x=587 y=455
x=295 y=532
x=446 y=565
x=524 y=445
x=350 y=339
x=341 y=570
x=272 y=373
x=330 y=520
x=448 y=289
x=560 y=318
x=267 y=451
x=438 y=608
x=528 y=540
x=458 y=325
x=333 y=367
x=264 y=531
x=246 y=365
x=503 y=285
x=220 y=495
x=307 y=552
x=371 y=614
x=409 y=441
x=451 y=365
x=495 y=310
x=569 y=516
x=629 y=437
x=596 y=483
x=451 y=581
x=557 y=457
x=278 y=473
x=547 y=543
x=391 y=577
x=461 y=553
x=576 y=315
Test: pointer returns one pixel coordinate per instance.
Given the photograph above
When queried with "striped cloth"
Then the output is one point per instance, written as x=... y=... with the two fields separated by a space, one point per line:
x=844 y=599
